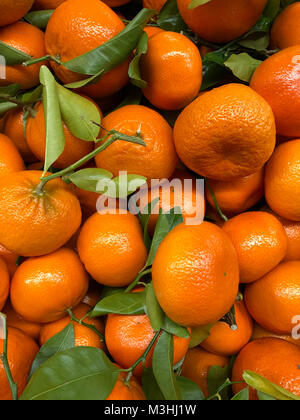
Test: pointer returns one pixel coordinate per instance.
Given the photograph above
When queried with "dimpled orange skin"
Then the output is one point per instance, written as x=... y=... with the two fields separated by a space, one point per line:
x=83 y=335
x=286 y=29
x=13 y=10
x=10 y=158
x=226 y=133
x=128 y=336
x=274 y=359
x=259 y=332
x=74 y=30
x=30 y=40
x=152 y=30
x=216 y=22
x=226 y=342
x=260 y=242
x=4 y=283
x=14 y=320
x=154 y=4
x=277 y=80
x=43 y=288
x=196 y=366
x=118 y=239
x=129 y=392
x=21 y=351
x=292 y=230
x=156 y=160
x=238 y=195
x=10 y=258
x=195 y=274
x=172 y=69
x=273 y=301
x=282 y=181
x=47 y=221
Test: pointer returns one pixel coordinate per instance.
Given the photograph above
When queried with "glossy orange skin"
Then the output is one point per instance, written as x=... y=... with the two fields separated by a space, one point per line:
x=286 y=30
x=4 y=283
x=216 y=22
x=21 y=351
x=292 y=230
x=195 y=274
x=156 y=160
x=83 y=335
x=152 y=30
x=47 y=4
x=226 y=342
x=128 y=336
x=260 y=242
x=277 y=80
x=46 y=221
x=15 y=131
x=43 y=288
x=129 y=392
x=74 y=30
x=282 y=181
x=10 y=158
x=226 y=133
x=273 y=301
x=238 y=195
x=154 y=4
x=196 y=366
x=259 y=332
x=75 y=149
x=14 y=320
x=13 y=10
x=118 y=239
x=30 y=40
x=274 y=359
x=10 y=258
x=172 y=69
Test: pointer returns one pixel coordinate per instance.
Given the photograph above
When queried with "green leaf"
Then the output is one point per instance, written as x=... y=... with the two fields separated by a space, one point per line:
x=175 y=329
x=134 y=67
x=125 y=185
x=5 y=107
x=265 y=397
x=113 y=52
x=55 y=138
x=259 y=43
x=272 y=9
x=243 y=395
x=199 y=334
x=122 y=304
x=144 y=217
x=12 y=55
x=263 y=385
x=88 y=179
x=163 y=367
x=242 y=66
x=217 y=376
x=189 y=390
x=197 y=3
x=9 y=91
x=85 y=82
x=170 y=19
x=213 y=74
x=64 y=340
x=150 y=386
x=39 y=18
x=32 y=96
x=153 y=310
x=80 y=373
x=108 y=291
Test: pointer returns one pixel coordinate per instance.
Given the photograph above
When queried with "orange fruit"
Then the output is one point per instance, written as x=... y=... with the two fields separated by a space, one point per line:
x=156 y=160
x=285 y=30
x=30 y=40
x=43 y=288
x=172 y=69
x=74 y=30
x=274 y=359
x=83 y=335
x=14 y=320
x=226 y=342
x=4 y=283
x=216 y=22
x=195 y=274
x=10 y=258
x=128 y=336
x=196 y=366
x=75 y=149
x=274 y=300
x=87 y=199
x=277 y=80
x=260 y=241
x=226 y=133
x=154 y=4
x=13 y=10
x=292 y=230
x=282 y=181
x=119 y=240
x=152 y=30
x=126 y=391
x=238 y=195
x=10 y=159
x=260 y=332
x=21 y=352
x=14 y=129
x=46 y=221
x=47 y=4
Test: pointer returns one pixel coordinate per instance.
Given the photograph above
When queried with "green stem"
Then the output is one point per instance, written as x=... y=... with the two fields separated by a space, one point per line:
x=41 y=59
x=138 y=278
x=12 y=100
x=216 y=202
x=89 y=326
x=3 y=357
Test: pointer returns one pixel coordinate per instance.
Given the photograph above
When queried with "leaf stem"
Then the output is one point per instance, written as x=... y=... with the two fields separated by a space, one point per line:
x=3 y=357
x=89 y=326
x=41 y=59
x=216 y=202
x=137 y=279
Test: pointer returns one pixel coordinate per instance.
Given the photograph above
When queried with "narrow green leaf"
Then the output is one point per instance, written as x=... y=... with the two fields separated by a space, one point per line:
x=196 y=3
x=5 y=107
x=9 y=91
x=122 y=304
x=259 y=43
x=88 y=179
x=175 y=329
x=32 y=96
x=217 y=377
x=242 y=65
x=243 y=395
x=153 y=309
x=150 y=386
x=199 y=334
x=189 y=390
x=85 y=82
x=170 y=19
x=126 y=185
x=134 y=67
x=144 y=217
x=12 y=55
x=39 y=18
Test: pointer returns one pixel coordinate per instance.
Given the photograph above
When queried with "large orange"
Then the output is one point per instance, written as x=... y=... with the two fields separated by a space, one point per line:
x=14 y=320
x=172 y=69
x=286 y=29
x=274 y=300
x=30 y=40
x=74 y=30
x=226 y=133
x=260 y=332
x=131 y=391
x=215 y=21
x=43 y=288
x=10 y=158
x=274 y=359
x=292 y=230
x=260 y=241
x=21 y=351
x=195 y=274
x=277 y=79
x=13 y=10
x=282 y=181
x=10 y=258
x=4 y=283
x=196 y=366
x=112 y=249
x=33 y=224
